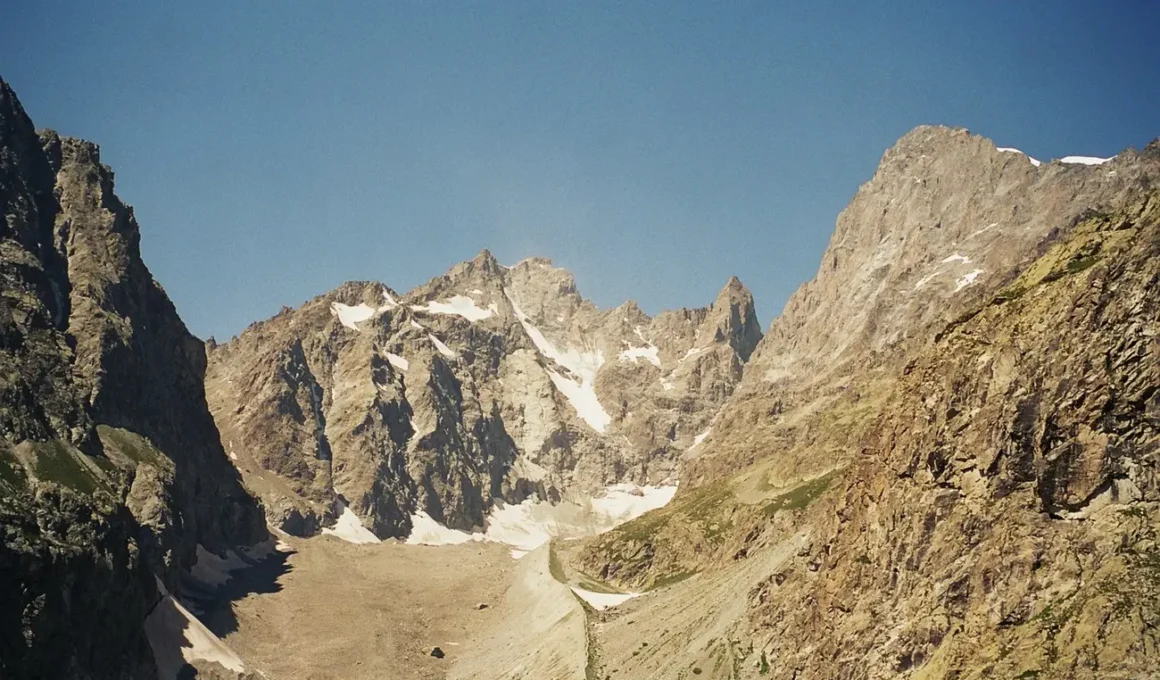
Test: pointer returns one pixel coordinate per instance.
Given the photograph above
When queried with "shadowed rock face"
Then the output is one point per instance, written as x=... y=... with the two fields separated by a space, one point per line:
x=486 y=383
x=111 y=469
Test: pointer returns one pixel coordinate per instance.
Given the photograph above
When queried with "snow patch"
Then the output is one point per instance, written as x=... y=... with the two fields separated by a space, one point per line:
x=443 y=349
x=649 y=353
x=530 y=524
x=351 y=316
x=417 y=326
x=459 y=305
x=1084 y=160
x=602 y=601
x=580 y=387
x=666 y=384
x=1008 y=149
x=388 y=302
x=426 y=531
x=398 y=361
x=957 y=258
x=213 y=570
x=582 y=396
x=700 y=438
x=967 y=280
x=926 y=279
x=350 y=528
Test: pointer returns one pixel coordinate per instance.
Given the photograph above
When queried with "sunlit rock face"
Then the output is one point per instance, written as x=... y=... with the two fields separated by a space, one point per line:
x=487 y=385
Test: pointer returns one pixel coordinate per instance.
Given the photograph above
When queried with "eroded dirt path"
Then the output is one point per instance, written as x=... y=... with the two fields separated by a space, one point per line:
x=345 y=612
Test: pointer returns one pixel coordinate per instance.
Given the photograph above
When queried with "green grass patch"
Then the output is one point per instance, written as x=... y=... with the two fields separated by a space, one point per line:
x=11 y=471
x=55 y=462
x=801 y=496
x=132 y=446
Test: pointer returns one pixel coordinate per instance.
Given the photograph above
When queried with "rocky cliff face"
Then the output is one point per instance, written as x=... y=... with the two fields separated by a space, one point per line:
x=1001 y=521
x=946 y=220
x=966 y=469
x=486 y=383
x=111 y=472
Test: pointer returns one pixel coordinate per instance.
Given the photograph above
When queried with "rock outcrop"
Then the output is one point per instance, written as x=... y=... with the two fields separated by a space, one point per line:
x=487 y=383
x=111 y=471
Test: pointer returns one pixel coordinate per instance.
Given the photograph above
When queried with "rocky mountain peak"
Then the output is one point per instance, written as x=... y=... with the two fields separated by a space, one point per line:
x=732 y=319
x=946 y=218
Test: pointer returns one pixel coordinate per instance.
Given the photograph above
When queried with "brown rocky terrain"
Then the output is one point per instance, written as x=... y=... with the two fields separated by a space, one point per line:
x=111 y=470
x=486 y=383
x=977 y=492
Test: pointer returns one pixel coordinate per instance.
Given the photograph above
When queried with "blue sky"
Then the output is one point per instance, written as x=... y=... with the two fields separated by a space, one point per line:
x=273 y=150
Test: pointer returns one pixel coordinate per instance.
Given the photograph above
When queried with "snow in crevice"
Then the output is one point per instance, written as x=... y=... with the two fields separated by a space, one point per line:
x=700 y=438
x=443 y=349
x=984 y=230
x=459 y=305
x=579 y=386
x=967 y=279
x=528 y=525
x=1084 y=160
x=1007 y=149
x=350 y=528
x=388 y=302
x=398 y=361
x=927 y=279
x=417 y=326
x=351 y=316
x=693 y=352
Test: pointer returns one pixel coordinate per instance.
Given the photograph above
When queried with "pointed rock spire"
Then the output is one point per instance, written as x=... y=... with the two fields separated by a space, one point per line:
x=733 y=319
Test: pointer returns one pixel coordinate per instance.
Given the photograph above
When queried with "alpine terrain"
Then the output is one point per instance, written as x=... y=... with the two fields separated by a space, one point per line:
x=940 y=460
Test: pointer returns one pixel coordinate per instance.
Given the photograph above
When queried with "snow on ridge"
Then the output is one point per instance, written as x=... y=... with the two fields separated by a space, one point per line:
x=443 y=349
x=351 y=316
x=579 y=390
x=1008 y=149
x=350 y=528
x=967 y=280
x=459 y=305
x=1084 y=160
x=398 y=361
x=388 y=302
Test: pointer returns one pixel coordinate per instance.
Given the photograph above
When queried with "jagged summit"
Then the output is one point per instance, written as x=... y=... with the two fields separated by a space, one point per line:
x=486 y=383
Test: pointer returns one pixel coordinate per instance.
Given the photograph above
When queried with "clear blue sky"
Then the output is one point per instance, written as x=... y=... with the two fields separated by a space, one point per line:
x=273 y=150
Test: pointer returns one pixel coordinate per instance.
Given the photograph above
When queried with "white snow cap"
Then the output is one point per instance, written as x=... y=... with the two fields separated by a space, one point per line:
x=1084 y=160
x=1008 y=149
x=351 y=316
x=459 y=305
